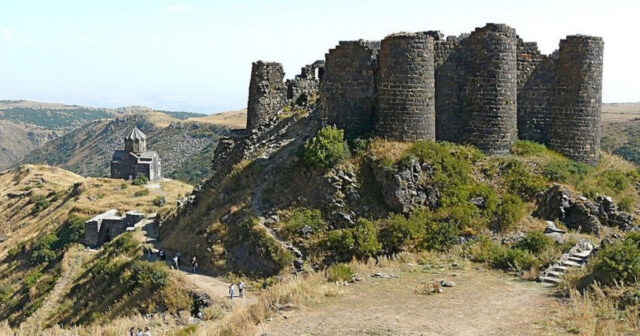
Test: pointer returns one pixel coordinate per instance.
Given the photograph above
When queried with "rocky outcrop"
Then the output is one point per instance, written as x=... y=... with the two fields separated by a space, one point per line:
x=404 y=186
x=582 y=214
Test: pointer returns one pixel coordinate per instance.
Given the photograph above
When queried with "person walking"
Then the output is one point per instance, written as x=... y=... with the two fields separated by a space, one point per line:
x=163 y=255
x=194 y=265
x=175 y=262
x=179 y=255
x=132 y=331
x=241 y=289
x=139 y=333
x=147 y=332
x=231 y=291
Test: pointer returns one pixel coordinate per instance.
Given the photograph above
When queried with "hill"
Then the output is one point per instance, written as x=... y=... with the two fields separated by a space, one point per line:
x=231 y=119
x=186 y=148
x=621 y=130
x=46 y=277
x=26 y=125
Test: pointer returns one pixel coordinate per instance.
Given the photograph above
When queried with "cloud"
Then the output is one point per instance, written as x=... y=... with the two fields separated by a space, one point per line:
x=177 y=8
x=7 y=34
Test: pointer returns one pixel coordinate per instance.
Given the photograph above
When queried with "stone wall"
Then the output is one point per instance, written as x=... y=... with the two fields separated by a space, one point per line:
x=267 y=93
x=449 y=91
x=405 y=85
x=304 y=86
x=536 y=76
x=574 y=126
x=347 y=88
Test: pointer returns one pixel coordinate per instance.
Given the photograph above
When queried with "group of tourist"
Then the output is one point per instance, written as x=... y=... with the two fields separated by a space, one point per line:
x=132 y=332
x=175 y=261
x=232 y=290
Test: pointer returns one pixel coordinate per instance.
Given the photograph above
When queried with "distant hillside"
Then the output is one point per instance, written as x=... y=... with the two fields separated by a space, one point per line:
x=621 y=130
x=231 y=119
x=184 y=147
x=27 y=125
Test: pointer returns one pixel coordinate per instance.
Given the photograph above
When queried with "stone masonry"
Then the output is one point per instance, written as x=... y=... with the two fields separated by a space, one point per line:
x=347 y=89
x=485 y=89
x=106 y=226
x=406 y=88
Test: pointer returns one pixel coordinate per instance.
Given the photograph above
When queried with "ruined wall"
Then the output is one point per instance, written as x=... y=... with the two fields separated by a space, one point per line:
x=347 y=89
x=574 y=126
x=405 y=85
x=476 y=96
x=304 y=86
x=536 y=76
x=449 y=93
x=267 y=93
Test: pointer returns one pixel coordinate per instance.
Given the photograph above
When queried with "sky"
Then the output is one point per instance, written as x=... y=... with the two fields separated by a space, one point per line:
x=196 y=55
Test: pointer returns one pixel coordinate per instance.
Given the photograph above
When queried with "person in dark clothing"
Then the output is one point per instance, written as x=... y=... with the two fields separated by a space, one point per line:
x=163 y=255
x=194 y=265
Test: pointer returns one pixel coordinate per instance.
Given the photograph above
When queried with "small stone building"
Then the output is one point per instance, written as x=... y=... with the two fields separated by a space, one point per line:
x=105 y=226
x=135 y=160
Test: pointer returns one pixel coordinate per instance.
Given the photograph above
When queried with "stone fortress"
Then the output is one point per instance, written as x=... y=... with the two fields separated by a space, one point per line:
x=487 y=89
x=106 y=226
x=135 y=160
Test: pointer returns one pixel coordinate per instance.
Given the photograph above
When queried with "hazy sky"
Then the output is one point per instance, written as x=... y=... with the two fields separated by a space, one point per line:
x=196 y=55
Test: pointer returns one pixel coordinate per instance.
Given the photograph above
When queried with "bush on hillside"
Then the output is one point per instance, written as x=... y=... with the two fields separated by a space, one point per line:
x=526 y=147
x=400 y=233
x=619 y=262
x=141 y=193
x=339 y=272
x=43 y=250
x=40 y=203
x=501 y=256
x=509 y=212
x=326 y=149
x=159 y=201
x=534 y=242
x=141 y=180
x=360 y=241
x=520 y=181
x=452 y=164
x=301 y=217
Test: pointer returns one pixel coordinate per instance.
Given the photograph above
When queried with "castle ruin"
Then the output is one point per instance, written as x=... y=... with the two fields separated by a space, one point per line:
x=106 y=226
x=486 y=89
x=135 y=160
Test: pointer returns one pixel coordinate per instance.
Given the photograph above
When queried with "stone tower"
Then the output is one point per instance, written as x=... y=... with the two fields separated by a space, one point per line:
x=135 y=141
x=347 y=88
x=267 y=93
x=405 y=108
x=574 y=126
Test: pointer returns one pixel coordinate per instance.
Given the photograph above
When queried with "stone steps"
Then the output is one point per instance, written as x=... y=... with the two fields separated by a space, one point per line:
x=576 y=257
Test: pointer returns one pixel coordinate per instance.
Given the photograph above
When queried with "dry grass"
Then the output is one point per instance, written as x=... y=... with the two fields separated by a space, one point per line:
x=231 y=119
x=384 y=149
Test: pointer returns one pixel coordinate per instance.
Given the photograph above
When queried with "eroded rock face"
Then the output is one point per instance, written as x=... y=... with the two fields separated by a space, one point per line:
x=404 y=187
x=581 y=216
x=554 y=203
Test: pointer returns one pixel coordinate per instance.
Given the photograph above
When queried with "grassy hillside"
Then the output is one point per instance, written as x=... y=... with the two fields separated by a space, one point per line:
x=184 y=147
x=621 y=130
x=27 y=125
x=47 y=278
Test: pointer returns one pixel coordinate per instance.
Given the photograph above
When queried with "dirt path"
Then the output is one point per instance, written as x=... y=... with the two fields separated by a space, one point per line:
x=481 y=303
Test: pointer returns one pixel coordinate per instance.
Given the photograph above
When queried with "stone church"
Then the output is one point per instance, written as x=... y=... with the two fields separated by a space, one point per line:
x=135 y=160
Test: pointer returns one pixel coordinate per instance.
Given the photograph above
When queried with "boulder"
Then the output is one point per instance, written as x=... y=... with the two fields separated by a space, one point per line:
x=554 y=203
x=403 y=188
x=581 y=216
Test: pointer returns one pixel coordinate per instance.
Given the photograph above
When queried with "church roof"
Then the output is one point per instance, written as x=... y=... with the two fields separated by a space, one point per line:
x=135 y=134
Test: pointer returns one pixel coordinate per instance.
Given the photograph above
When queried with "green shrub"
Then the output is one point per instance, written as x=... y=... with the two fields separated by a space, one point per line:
x=520 y=181
x=141 y=193
x=159 y=201
x=72 y=231
x=440 y=236
x=339 y=272
x=31 y=279
x=359 y=145
x=501 y=257
x=534 y=242
x=141 y=180
x=365 y=238
x=452 y=164
x=400 y=233
x=301 y=217
x=150 y=275
x=618 y=262
x=626 y=204
x=124 y=186
x=340 y=244
x=509 y=212
x=5 y=293
x=617 y=180
x=326 y=149
x=43 y=249
x=563 y=170
x=526 y=148
x=40 y=203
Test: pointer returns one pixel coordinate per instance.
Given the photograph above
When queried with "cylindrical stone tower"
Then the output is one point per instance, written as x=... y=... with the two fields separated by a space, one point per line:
x=347 y=87
x=267 y=93
x=577 y=102
x=405 y=108
x=490 y=104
